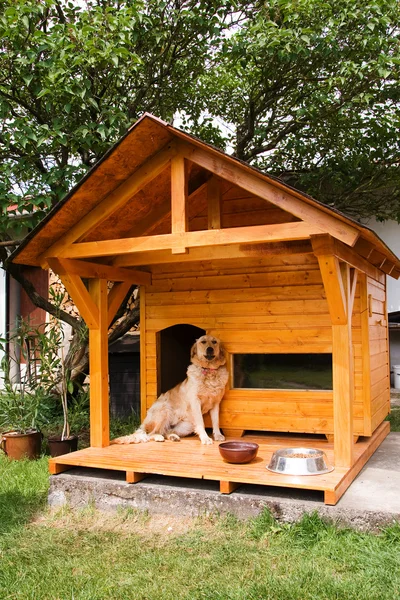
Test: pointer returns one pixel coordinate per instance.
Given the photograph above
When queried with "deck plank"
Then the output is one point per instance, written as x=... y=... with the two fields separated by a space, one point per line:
x=190 y=459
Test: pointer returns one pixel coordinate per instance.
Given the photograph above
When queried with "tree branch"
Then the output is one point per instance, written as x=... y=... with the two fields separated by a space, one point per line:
x=131 y=319
x=37 y=299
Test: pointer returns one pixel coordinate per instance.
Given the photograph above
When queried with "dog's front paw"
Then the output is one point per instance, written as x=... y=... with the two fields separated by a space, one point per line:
x=206 y=440
x=218 y=437
x=157 y=437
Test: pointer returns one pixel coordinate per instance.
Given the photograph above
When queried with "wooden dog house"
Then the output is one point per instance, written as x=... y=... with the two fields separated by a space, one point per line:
x=218 y=245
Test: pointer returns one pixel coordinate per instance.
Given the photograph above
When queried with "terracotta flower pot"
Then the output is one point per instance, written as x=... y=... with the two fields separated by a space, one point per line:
x=21 y=445
x=58 y=447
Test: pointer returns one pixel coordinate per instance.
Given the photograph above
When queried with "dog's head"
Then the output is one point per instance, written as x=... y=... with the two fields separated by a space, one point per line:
x=207 y=352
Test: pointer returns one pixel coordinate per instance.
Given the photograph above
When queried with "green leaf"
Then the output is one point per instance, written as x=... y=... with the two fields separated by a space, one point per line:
x=42 y=93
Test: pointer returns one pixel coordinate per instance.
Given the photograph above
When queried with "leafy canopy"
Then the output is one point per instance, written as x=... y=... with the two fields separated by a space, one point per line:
x=312 y=89
x=308 y=90
x=75 y=76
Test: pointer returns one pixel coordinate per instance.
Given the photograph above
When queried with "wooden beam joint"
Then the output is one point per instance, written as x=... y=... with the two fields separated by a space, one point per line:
x=91 y=270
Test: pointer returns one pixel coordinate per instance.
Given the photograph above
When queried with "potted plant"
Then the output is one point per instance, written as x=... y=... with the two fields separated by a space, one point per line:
x=54 y=363
x=34 y=375
x=24 y=401
x=21 y=416
x=64 y=443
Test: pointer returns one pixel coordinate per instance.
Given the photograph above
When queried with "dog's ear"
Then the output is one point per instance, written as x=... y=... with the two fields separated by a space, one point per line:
x=222 y=353
x=193 y=350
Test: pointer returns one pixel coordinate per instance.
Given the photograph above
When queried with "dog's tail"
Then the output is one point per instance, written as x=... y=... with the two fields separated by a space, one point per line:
x=138 y=437
x=135 y=438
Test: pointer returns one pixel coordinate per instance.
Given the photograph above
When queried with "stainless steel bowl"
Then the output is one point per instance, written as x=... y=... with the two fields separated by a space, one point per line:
x=299 y=461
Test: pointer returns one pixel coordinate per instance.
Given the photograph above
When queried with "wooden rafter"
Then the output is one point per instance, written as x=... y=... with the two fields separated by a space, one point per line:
x=376 y=258
x=192 y=239
x=114 y=201
x=364 y=247
x=90 y=270
x=223 y=167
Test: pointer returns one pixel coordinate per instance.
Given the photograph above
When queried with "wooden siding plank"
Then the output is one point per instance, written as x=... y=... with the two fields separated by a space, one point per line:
x=144 y=358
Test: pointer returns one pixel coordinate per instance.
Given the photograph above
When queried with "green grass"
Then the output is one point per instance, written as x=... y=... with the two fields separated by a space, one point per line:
x=23 y=489
x=394 y=419
x=86 y=555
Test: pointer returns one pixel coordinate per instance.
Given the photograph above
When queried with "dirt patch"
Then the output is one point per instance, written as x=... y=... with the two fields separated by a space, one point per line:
x=124 y=521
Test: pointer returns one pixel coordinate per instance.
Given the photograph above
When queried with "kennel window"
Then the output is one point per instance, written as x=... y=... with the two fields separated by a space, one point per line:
x=283 y=371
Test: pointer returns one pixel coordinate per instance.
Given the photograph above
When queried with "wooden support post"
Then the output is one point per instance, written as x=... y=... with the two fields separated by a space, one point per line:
x=227 y=487
x=343 y=394
x=179 y=212
x=214 y=203
x=134 y=477
x=339 y=283
x=233 y=433
x=143 y=370
x=98 y=368
x=55 y=468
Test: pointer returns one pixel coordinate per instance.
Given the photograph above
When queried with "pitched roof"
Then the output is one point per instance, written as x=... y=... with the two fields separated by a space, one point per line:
x=143 y=141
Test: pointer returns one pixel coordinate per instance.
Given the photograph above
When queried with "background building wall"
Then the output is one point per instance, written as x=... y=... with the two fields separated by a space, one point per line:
x=389 y=232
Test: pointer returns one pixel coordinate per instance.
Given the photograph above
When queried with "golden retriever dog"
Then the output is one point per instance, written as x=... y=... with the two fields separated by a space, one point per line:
x=179 y=412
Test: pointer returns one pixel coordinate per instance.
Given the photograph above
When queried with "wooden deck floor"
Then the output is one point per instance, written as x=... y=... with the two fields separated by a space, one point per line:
x=189 y=458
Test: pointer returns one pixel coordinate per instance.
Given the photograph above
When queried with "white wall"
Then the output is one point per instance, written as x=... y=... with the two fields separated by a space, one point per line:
x=389 y=232
x=3 y=312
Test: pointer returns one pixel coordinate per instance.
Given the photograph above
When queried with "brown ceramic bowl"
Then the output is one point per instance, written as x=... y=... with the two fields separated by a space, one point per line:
x=238 y=452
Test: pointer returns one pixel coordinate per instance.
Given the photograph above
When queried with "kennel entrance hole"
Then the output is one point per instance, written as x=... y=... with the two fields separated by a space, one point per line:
x=174 y=348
